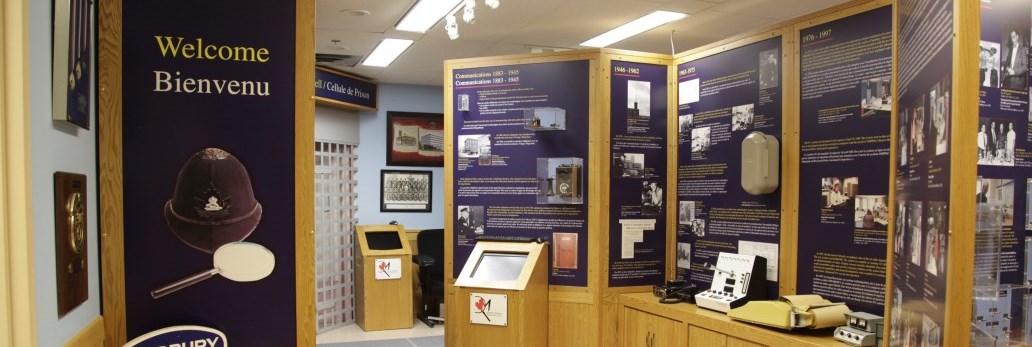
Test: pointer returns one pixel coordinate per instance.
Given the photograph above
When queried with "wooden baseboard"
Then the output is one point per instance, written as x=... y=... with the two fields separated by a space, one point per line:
x=90 y=336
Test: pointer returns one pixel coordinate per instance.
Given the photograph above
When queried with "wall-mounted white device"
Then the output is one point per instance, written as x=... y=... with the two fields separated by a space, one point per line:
x=734 y=283
x=761 y=163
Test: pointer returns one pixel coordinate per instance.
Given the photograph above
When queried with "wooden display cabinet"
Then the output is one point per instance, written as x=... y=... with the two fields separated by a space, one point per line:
x=383 y=302
x=519 y=273
x=644 y=322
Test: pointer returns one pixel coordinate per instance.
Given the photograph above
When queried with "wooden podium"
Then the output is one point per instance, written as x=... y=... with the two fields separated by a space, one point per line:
x=503 y=289
x=383 y=278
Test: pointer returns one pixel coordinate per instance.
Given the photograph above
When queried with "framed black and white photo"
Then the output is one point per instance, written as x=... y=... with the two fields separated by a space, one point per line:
x=405 y=191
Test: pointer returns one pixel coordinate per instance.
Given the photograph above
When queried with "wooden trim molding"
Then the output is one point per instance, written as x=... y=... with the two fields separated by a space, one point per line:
x=17 y=274
x=90 y=336
x=304 y=172
x=109 y=114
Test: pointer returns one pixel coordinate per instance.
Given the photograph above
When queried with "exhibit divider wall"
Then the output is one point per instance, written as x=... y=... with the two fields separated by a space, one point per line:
x=522 y=159
x=935 y=167
x=206 y=142
x=844 y=69
x=722 y=97
x=637 y=253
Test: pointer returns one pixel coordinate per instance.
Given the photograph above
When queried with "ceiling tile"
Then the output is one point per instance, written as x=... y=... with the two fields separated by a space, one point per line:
x=383 y=15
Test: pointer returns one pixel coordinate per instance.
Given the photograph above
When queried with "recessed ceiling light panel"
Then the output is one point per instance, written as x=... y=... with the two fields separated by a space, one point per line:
x=635 y=27
x=386 y=52
x=425 y=14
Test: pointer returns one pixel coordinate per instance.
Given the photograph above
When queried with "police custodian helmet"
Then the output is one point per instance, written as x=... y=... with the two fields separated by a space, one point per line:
x=213 y=203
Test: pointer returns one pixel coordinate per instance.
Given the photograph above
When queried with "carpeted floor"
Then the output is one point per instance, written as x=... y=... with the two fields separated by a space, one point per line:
x=431 y=341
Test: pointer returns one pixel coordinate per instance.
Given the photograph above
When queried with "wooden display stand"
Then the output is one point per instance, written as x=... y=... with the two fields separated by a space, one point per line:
x=383 y=292
x=524 y=319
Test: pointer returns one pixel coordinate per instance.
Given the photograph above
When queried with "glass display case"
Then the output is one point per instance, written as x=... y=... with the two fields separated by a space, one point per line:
x=560 y=181
x=998 y=309
x=544 y=118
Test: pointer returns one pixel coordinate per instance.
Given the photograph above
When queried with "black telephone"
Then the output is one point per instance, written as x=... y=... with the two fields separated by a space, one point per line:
x=675 y=291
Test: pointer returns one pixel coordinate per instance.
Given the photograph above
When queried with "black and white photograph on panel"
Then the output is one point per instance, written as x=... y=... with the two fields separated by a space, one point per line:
x=935 y=238
x=995 y=140
x=939 y=99
x=1028 y=205
x=997 y=192
x=685 y=212
x=628 y=165
x=904 y=137
x=838 y=192
x=931 y=333
x=651 y=197
x=914 y=213
x=684 y=255
x=769 y=71
x=471 y=146
x=698 y=227
x=742 y=117
x=917 y=128
x=471 y=220
x=684 y=125
x=700 y=139
x=989 y=64
x=688 y=92
x=1014 y=60
x=638 y=98
x=872 y=212
x=875 y=97
x=901 y=227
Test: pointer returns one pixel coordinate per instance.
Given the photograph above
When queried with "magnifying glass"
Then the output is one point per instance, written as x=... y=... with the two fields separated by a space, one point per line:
x=236 y=261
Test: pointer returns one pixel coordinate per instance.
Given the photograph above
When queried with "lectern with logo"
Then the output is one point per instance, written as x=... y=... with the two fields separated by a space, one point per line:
x=506 y=283
x=383 y=278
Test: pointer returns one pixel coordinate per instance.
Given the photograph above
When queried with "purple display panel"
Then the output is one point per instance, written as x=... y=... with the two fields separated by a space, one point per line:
x=637 y=176
x=183 y=93
x=918 y=294
x=521 y=142
x=1004 y=163
x=721 y=99
x=845 y=111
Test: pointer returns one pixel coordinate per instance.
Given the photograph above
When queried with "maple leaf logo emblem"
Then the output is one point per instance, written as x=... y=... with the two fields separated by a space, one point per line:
x=384 y=266
x=482 y=306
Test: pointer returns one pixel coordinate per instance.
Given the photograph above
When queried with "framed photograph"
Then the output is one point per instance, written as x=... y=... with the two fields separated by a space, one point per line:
x=415 y=139
x=405 y=191
x=72 y=62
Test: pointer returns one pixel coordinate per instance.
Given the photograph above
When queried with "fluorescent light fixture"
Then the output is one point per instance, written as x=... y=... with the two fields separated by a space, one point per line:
x=635 y=27
x=425 y=14
x=385 y=52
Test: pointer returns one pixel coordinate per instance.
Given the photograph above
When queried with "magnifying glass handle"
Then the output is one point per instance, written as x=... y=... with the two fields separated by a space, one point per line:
x=183 y=283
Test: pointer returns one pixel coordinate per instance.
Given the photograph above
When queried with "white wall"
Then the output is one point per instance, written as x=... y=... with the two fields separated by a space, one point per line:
x=372 y=156
x=334 y=124
x=57 y=147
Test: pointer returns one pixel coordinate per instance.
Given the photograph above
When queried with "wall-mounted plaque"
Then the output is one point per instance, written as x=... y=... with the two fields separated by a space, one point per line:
x=70 y=236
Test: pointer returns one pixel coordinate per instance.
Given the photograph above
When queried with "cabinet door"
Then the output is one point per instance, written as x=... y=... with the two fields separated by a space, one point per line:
x=643 y=329
x=665 y=332
x=699 y=337
x=633 y=328
x=735 y=342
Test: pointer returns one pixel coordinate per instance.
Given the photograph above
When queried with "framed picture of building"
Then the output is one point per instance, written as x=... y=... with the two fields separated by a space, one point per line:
x=415 y=139
x=405 y=191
